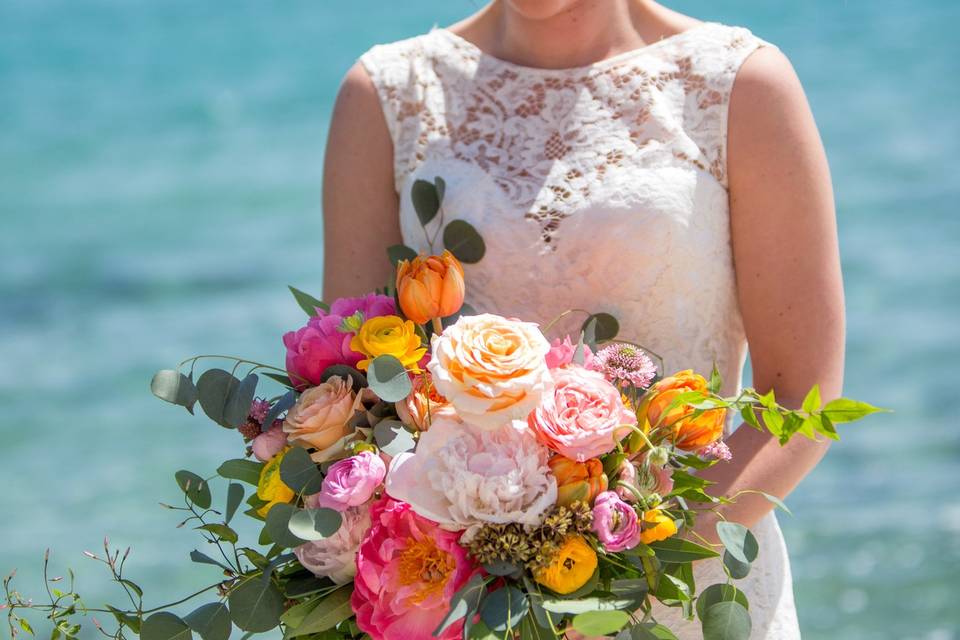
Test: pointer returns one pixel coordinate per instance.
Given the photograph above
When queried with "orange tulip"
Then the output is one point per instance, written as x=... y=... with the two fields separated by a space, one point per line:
x=430 y=287
x=577 y=481
x=689 y=433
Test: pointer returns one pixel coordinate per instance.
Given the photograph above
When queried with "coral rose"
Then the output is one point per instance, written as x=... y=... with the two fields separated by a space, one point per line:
x=689 y=433
x=583 y=417
x=407 y=572
x=490 y=368
x=571 y=567
x=335 y=557
x=430 y=287
x=424 y=401
x=389 y=335
x=320 y=417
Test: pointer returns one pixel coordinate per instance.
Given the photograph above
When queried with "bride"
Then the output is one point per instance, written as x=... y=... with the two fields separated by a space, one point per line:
x=616 y=145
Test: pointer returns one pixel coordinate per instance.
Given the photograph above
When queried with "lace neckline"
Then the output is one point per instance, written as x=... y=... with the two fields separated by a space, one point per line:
x=479 y=54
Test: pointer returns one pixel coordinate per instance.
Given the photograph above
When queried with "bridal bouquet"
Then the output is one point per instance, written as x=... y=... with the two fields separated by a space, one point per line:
x=426 y=471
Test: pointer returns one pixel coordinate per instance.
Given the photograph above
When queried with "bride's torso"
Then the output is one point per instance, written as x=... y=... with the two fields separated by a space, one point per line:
x=602 y=188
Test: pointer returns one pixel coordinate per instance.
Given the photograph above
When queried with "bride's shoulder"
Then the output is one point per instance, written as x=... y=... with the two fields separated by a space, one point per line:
x=405 y=52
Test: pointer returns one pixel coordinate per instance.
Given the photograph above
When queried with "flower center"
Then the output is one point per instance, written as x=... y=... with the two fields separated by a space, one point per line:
x=423 y=564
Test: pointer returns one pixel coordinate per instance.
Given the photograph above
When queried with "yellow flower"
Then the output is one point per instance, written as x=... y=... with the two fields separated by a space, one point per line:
x=270 y=487
x=656 y=526
x=571 y=568
x=389 y=335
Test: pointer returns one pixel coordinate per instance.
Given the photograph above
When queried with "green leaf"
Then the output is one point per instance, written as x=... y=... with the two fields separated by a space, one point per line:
x=283 y=404
x=715 y=380
x=719 y=593
x=670 y=589
x=211 y=621
x=426 y=200
x=680 y=550
x=256 y=605
x=345 y=371
x=388 y=378
x=125 y=619
x=315 y=524
x=464 y=242
x=441 y=185
x=307 y=302
x=646 y=631
x=600 y=623
x=277 y=526
x=239 y=399
x=501 y=568
x=503 y=609
x=234 y=499
x=393 y=438
x=175 y=388
x=203 y=558
x=812 y=402
x=25 y=625
x=282 y=379
x=398 y=252
x=768 y=400
x=726 y=621
x=738 y=540
x=776 y=501
x=847 y=410
x=773 y=421
x=632 y=587
x=295 y=615
x=561 y=605
x=330 y=612
x=222 y=531
x=600 y=327
x=243 y=470
x=214 y=388
x=749 y=416
x=164 y=625
x=738 y=570
x=299 y=472
x=194 y=487
x=132 y=585
x=531 y=629
x=464 y=602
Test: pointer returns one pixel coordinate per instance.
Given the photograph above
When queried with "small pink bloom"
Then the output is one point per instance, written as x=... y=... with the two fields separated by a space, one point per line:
x=583 y=417
x=657 y=480
x=627 y=475
x=615 y=522
x=561 y=353
x=352 y=481
x=625 y=364
x=270 y=442
x=335 y=557
x=718 y=450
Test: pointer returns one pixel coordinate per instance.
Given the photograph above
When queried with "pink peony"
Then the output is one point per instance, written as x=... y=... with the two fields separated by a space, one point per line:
x=407 y=571
x=615 y=522
x=335 y=557
x=352 y=481
x=270 y=442
x=561 y=353
x=321 y=344
x=583 y=417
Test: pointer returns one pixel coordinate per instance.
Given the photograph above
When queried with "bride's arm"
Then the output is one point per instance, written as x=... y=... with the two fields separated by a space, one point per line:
x=788 y=275
x=360 y=216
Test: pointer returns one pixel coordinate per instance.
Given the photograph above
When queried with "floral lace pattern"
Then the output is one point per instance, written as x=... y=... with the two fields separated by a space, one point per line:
x=584 y=182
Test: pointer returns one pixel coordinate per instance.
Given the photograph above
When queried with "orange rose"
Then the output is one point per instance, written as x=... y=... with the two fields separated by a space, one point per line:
x=581 y=481
x=689 y=433
x=430 y=287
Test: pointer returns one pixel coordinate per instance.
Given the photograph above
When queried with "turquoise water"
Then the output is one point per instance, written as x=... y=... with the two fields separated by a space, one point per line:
x=160 y=170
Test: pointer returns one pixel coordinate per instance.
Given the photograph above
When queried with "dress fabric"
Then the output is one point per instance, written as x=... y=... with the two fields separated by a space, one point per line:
x=602 y=188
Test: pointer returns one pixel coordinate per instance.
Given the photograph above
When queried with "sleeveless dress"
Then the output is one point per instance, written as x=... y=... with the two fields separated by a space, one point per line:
x=600 y=187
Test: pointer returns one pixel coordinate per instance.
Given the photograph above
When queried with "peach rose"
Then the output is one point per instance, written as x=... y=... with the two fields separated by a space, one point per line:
x=490 y=368
x=689 y=433
x=320 y=418
x=424 y=402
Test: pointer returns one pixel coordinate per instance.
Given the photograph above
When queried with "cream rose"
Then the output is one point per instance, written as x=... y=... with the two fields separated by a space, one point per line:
x=320 y=418
x=491 y=369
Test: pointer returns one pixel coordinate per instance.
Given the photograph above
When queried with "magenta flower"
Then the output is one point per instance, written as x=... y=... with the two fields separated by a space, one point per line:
x=626 y=364
x=371 y=305
x=615 y=522
x=352 y=481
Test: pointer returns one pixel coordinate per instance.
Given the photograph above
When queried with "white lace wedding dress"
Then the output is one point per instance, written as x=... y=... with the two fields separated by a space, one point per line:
x=600 y=187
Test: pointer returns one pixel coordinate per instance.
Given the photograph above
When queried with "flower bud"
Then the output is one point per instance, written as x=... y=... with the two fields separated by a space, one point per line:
x=577 y=481
x=659 y=456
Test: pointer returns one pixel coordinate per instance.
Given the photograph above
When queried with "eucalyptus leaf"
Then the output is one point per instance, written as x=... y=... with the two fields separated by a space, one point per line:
x=238 y=401
x=307 y=302
x=726 y=621
x=213 y=389
x=388 y=378
x=503 y=609
x=283 y=404
x=441 y=186
x=393 y=438
x=647 y=631
x=462 y=240
x=600 y=327
x=501 y=568
x=194 y=487
x=775 y=500
x=426 y=200
x=600 y=623
x=243 y=470
x=299 y=472
x=234 y=499
x=164 y=625
x=738 y=570
x=582 y=605
x=345 y=371
x=398 y=252
x=175 y=388
x=256 y=605
x=719 y=593
x=315 y=524
x=277 y=526
x=464 y=602
x=211 y=621
x=738 y=540
x=330 y=612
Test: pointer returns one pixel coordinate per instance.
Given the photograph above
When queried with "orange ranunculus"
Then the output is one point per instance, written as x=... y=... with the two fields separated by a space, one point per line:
x=577 y=481
x=689 y=433
x=430 y=287
x=656 y=526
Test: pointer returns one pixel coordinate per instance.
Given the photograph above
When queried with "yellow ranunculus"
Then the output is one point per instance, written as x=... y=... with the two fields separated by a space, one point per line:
x=571 y=568
x=656 y=526
x=389 y=335
x=270 y=487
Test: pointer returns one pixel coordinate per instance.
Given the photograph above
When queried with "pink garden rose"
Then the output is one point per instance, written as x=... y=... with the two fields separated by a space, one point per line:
x=270 y=442
x=583 y=417
x=615 y=522
x=335 y=557
x=561 y=353
x=352 y=481
x=321 y=344
x=408 y=569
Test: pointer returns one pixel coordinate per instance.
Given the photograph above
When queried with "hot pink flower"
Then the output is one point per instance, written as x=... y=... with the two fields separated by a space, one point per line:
x=408 y=569
x=583 y=417
x=352 y=481
x=561 y=353
x=615 y=522
x=371 y=305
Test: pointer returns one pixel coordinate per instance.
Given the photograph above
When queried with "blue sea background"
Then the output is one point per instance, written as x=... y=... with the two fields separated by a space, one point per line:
x=160 y=176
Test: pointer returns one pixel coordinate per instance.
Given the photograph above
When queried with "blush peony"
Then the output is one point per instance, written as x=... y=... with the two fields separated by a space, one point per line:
x=463 y=476
x=584 y=417
x=335 y=557
x=407 y=571
x=491 y=369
